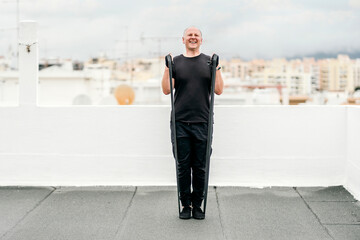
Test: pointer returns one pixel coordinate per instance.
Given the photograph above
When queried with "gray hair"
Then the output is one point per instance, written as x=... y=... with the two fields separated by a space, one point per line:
x=192 y=27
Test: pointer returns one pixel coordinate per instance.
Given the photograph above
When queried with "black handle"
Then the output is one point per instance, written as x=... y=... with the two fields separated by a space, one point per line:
x=168 y=60
x=215 y=60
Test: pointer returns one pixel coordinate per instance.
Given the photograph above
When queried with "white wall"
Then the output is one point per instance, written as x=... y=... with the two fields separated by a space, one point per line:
x=61 y=90
x=352 y=183
x=253 y=146
x=9 y=88
x=280 y=145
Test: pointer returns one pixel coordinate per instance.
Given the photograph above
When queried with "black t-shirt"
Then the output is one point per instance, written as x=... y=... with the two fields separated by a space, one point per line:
x=192 y=88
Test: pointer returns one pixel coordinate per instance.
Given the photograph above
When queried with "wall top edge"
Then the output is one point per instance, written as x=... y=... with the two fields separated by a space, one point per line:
x=167 y=106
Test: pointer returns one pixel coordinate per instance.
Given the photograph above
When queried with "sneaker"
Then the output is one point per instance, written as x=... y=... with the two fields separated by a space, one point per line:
x=185 y=213
x=197 y=213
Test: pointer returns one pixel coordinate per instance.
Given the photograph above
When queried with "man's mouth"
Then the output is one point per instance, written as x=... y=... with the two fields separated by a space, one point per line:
x=193 y=42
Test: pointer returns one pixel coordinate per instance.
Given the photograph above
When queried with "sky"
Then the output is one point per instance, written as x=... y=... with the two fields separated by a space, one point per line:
x=247 y=29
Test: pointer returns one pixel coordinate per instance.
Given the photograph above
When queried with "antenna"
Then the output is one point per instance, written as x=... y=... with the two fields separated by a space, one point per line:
x=159 y=40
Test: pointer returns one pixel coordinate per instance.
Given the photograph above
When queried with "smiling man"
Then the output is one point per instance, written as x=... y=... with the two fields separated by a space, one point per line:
x=192 y=81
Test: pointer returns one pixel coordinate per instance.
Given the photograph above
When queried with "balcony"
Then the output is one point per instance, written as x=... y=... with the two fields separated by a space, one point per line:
x=130 y=145
x=311 y=152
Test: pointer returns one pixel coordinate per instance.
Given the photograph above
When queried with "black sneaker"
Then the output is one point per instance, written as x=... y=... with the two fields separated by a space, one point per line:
x=185 y=213
x=197 y=213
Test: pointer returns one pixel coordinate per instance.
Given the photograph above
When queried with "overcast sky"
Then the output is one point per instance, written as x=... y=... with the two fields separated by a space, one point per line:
x=248 y=29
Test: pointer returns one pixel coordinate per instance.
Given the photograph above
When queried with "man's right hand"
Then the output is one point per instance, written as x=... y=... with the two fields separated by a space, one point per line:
x=168 y=59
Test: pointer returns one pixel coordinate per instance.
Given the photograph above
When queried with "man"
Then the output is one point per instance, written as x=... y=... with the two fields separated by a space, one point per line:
x=192 y=81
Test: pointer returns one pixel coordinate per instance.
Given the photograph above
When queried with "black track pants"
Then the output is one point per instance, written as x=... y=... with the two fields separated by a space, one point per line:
x=191 y=145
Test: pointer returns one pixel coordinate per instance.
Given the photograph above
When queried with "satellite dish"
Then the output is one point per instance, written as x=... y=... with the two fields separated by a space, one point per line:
x=124 y=95
x=82 y=99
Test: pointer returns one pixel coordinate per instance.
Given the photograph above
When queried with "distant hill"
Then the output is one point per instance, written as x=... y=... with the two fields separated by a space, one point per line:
x=322 y=55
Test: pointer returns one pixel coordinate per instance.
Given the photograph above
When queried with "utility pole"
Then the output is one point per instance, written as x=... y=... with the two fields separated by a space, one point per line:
x=129 y=63
x=159 y=40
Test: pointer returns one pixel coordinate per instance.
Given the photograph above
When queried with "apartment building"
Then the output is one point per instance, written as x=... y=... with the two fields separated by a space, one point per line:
x=300 y=77
x=356 y=72
x=337 y=74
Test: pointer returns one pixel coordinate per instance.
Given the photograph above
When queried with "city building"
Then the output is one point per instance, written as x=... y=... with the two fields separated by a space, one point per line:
x=336 y=74
x=258 y=82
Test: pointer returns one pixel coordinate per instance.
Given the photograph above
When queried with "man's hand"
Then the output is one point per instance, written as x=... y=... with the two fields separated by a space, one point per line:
x=166 y=81
x=217 y=59
x=219 y=82
x=168 y=59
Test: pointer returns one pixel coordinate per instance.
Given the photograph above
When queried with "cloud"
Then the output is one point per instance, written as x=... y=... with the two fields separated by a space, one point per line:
x=58 y=7
x=354 y=3
x=270 y=5
x=251 y=28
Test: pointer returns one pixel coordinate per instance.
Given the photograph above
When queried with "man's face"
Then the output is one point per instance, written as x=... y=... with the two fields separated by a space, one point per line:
x=192 y=39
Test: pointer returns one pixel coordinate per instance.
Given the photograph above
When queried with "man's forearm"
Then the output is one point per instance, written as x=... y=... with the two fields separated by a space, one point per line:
x=165 y=84
x=219 y=83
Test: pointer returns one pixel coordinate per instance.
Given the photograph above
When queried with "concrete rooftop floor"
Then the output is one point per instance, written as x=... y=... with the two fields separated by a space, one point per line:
x=151 y=213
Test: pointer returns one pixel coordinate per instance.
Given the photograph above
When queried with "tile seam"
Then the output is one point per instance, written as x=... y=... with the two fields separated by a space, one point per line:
x=27 y=213
x=342 y=224
x=121 y=227
x=220 y=215
x=316 y=216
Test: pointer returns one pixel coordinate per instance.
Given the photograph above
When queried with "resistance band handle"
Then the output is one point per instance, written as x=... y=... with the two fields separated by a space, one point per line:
x=215 y=60
x=168 y=60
